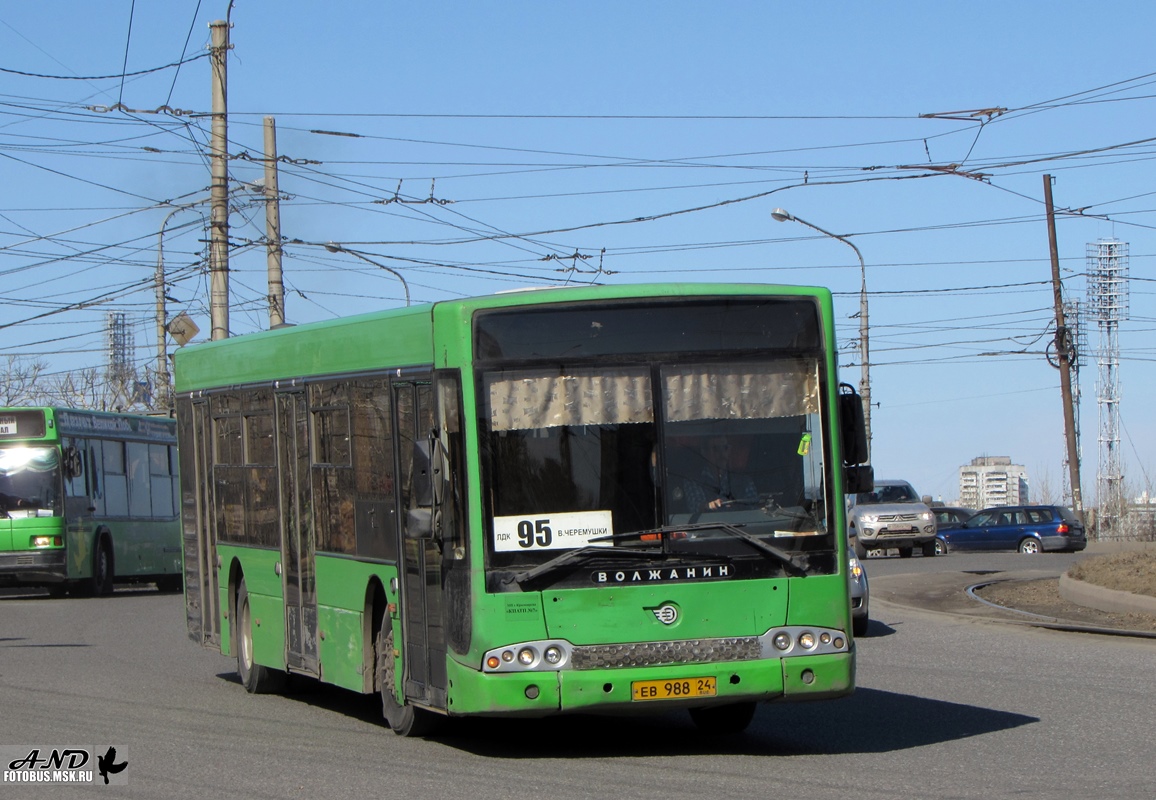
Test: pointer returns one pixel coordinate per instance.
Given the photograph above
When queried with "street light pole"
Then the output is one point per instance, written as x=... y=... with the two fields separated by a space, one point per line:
x=782 y=215
x=162 y=388
x=334 y=247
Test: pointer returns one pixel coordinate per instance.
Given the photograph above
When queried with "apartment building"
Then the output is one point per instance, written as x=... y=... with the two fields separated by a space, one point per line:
x=992 y=481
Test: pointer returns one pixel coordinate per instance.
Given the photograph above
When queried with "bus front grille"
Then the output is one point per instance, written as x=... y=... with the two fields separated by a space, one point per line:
x=649 y=654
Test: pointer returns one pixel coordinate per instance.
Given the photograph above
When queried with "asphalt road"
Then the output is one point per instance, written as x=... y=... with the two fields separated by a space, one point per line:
x=947 y=706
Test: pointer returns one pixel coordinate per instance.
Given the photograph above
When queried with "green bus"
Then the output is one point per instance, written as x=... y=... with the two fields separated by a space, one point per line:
x=599 y=499
x=88 y=499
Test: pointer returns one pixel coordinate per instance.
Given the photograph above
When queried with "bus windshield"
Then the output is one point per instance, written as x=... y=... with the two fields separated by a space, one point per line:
x=672 y=457
x=30 y=482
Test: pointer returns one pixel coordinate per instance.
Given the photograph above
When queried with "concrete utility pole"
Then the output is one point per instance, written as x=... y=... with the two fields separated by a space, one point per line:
x=219 y=216
x=273 y=227
x=1065 y=351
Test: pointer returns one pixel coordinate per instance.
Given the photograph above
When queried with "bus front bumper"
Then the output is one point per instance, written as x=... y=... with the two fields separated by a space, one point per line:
x=33 y=567
x=543 y=693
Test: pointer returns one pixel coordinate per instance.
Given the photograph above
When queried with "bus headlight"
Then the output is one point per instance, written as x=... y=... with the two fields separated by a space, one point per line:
x=548 y=655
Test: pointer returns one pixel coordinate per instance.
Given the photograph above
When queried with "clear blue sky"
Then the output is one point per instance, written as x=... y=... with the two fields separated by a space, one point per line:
x=542 y=130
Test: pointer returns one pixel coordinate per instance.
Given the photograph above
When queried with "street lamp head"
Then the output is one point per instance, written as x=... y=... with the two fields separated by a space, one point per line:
x=333 y=247
x=781 y=215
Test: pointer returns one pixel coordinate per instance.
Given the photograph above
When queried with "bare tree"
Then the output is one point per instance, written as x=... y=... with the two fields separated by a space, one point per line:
x=26 y=383
x=1044 y=490
x=21 y=381
x=83 y=388
x=1138 y=516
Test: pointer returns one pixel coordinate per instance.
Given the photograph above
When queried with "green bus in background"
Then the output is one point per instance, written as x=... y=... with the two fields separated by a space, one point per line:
x=88 y=498
x=601 y=499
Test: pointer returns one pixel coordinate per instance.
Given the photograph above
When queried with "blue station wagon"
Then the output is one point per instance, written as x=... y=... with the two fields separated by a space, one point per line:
x=1028 y=529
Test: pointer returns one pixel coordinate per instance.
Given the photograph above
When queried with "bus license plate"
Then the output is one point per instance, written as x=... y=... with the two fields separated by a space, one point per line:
x=673 y=689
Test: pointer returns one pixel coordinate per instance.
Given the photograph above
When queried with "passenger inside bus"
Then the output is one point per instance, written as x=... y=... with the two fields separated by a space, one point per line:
x=718 y=481
x=8 y=501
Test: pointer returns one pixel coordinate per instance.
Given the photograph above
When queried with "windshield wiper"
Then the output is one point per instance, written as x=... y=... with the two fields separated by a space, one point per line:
x=581 y=553
x=760 y=545
x=730 y=529
x=727 y=528
x=662 y=531
x=574 y=555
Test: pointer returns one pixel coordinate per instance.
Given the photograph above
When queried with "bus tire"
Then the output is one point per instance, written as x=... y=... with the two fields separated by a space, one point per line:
x=723 y=720
x=256 y=678
x=404 y=720
x=103 y=568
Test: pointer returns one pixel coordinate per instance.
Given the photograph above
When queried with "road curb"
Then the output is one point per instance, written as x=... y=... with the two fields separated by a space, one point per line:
x=1111 y=600
x=948 y=593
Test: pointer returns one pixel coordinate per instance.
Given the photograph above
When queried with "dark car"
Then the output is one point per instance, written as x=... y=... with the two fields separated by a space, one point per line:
x=948 y=518
x=1028 y=529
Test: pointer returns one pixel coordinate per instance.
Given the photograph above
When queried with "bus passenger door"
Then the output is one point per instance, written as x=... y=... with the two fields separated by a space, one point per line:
x=297 y=538
x=199 y=534
x=421 y=570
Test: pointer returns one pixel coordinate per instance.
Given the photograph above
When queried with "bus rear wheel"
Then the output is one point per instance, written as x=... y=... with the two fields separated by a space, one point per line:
x=723 y=720
x=256 y=679
x=404 y=720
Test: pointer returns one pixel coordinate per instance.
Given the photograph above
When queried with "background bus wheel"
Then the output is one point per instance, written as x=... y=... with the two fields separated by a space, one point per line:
x=102 y=569
x=721 y=720
x=256 y=679
x=404 y=720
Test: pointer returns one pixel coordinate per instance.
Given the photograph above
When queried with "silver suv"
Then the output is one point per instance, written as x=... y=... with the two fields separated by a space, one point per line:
x=892 y=515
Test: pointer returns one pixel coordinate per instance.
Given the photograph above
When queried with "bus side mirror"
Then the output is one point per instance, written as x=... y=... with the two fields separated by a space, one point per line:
x=858 y=479
x=72 y=462
x=852 y=426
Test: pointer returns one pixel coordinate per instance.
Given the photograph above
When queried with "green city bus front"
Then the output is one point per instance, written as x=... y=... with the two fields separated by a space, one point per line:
x=32 y=530
x=662 y=498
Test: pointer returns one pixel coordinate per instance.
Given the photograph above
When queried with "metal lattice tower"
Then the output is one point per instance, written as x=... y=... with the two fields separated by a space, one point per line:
x=120 y=373
x=1108 y=281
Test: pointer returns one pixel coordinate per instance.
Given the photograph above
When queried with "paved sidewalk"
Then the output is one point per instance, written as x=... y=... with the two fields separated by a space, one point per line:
x=948 y=592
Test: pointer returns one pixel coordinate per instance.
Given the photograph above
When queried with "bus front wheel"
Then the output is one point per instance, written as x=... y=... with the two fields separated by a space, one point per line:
x=256 y=679
x=404 y=720
x=100 y=583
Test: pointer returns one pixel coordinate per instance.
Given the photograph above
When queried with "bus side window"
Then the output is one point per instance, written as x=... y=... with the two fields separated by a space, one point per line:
x=95 y=481
x=138 y=480
x=419 y=514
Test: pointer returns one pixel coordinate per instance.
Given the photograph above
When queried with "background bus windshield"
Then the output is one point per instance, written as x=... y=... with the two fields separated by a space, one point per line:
x=29 y=481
